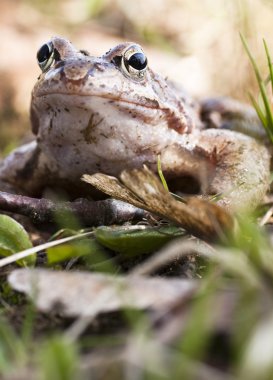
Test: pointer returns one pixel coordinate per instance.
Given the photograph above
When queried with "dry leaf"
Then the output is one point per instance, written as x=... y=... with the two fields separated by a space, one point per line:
x=142 y=188
x=113 y=187
x=88 y=294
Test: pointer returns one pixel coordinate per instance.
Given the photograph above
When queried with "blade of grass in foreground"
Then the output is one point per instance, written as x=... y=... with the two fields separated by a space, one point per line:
x=267 y=119
x=269 y=62
x=258 y=109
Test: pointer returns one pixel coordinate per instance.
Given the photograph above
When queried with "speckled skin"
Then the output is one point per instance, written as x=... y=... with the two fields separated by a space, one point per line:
x=90 y=116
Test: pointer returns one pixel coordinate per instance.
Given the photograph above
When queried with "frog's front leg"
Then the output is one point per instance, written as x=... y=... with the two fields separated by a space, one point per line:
x=26 y=169
x=225 y=162
x=242 y=168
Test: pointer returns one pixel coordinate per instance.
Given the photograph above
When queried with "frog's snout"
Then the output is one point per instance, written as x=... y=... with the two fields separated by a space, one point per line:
x=76 y=71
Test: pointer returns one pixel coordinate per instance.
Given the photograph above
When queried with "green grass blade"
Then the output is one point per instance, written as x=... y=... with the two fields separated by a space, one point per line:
x=160 y=173
x=259 y=111
x=269 y=62
x=269 y=116
x=251 y=58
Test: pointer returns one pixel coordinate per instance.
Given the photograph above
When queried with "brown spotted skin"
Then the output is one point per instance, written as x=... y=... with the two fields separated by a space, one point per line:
x=90 y=115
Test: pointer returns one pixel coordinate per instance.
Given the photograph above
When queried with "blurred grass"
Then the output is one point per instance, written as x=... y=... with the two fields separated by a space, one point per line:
x=65 y=367
x=235 y=349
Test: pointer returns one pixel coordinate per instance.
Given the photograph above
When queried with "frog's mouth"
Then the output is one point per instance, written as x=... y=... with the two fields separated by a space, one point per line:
x=140 y=108
x=140 y=101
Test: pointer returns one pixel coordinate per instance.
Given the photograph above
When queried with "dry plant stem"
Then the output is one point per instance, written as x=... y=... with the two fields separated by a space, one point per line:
x=142 y=188
x=175 y=250
x=179 y=248
x=33 y=250
x=105 y=212
x=266 y=217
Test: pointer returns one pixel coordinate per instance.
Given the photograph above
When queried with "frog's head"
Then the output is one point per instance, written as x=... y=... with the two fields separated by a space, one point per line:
x=101 y=110
x=121 y=78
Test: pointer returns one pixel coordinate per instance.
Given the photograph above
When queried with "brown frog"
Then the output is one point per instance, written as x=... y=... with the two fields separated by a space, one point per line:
x=105 y=114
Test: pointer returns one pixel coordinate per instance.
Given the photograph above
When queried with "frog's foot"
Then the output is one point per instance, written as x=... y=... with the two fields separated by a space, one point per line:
x=227 y=113
x=24 y=170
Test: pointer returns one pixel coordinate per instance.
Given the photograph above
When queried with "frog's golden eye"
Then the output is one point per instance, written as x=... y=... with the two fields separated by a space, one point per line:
x=45 y=56
x=134 y=62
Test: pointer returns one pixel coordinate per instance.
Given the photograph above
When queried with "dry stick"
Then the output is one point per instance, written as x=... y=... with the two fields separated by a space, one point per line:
x=104 y=212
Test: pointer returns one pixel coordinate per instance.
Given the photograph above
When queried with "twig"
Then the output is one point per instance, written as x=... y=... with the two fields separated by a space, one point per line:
x=104 y=212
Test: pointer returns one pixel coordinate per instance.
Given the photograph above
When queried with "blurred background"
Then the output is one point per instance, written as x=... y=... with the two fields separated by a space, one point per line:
x=191 y=41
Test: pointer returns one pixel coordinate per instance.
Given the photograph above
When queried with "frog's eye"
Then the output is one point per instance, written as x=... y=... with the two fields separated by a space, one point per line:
x=134 y=62
x=45 y=56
